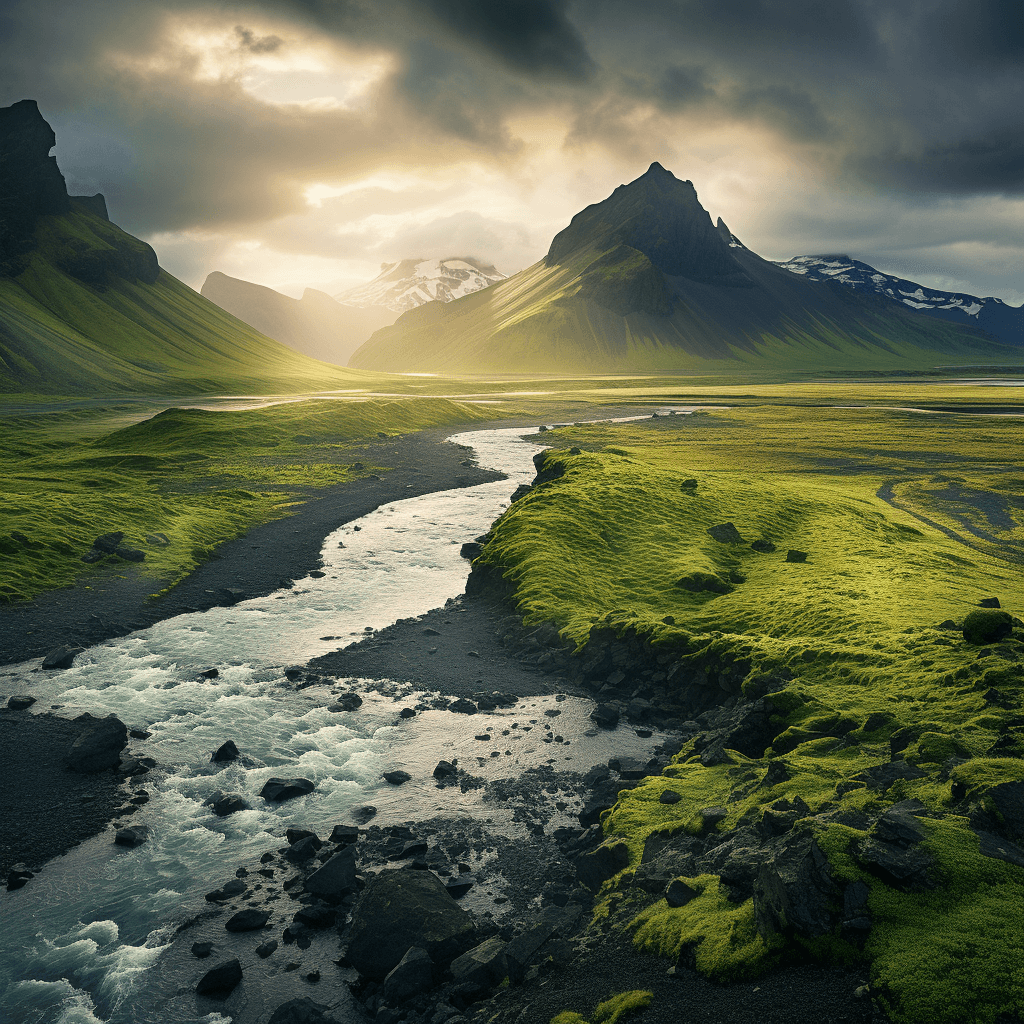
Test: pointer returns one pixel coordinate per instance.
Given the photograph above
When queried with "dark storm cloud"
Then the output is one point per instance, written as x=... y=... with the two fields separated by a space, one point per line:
x=250 y=41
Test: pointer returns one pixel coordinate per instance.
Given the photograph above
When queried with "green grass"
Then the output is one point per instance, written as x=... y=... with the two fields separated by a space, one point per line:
x=198 y=477
x=855 y=630
x=612 y=1010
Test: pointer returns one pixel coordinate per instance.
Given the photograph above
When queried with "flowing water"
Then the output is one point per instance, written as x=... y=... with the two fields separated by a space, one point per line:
x=82 y=942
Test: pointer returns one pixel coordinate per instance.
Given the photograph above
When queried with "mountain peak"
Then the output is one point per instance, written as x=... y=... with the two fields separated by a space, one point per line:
x=660 y=216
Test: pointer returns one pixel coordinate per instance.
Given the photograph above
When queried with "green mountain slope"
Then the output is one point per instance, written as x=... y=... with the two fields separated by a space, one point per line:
x=645 y=281
x=85 y=307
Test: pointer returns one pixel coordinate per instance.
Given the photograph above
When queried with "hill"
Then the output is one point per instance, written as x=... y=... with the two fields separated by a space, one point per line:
x=646 y=281
x=316 y=325
x=85 y=308
x=411 y=283
x=1004 y=322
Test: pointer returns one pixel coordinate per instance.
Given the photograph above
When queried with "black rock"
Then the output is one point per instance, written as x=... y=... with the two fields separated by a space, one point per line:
x=303 y=849
x=396 y=778
x=725 y=533
x=413 y=974
x=108 y=543
x=213 y=673
x=219 y=982
x=407 y=713
x=248 y=920
x=458 y=888
x=317 y=916
x=18 y=876
x=264 y=949
x=551 y=922
x=796 y=556
x=402 y=909
x=278 y=790
x=364 y=814
x=704 y=583
x=227 y=892
x=989 y=602
x=763 y=546
x=201 y=950
x=463 y=707
x=445 y=770
x=336 y=878
x=678 y=893
x=688 y=486
x=129 y=554
x=605 y=716
x=223 y=804
x=1008 y=800
x=20 y=703
x=302 y=1011
x=61 y=657
x=987 y=626
x=471 y=549
x=597 y=866
x=99 y=746
x=344 y=834
x=630 y=767
x=131 y=837
x=92 y=556
x=520 y=492
x=293 y=835
x=794 y=892
x=317 y=574
x=746 y=728
x=481 y=967
x=346 y=702
x=669 y=796
x=410 y=849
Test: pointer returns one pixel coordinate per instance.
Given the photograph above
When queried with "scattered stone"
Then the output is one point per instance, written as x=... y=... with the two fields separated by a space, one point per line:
x=264 y=949
x=61 y=657
x=20 y=703
x=987 y=626
x=227 y=892
x=407 y=713
x=484 y=736
x=248 y=920
x=317 y=574
x=317 y=916
x=344 y=834
x=222 y=804
x=303 y=849
x=346 y=702
x=99 y=746
x=396 y=778
x=336 y=878
x=522 y=949
x=792 y=555
x=221 y=981
x=725 y=533
x=402 y=909
x=763 y=546
x=413 y=974
x=201 y=950
x=445 y=770
x=226 y=751
x=605 y=716
x=131 y=837
x=279 y=790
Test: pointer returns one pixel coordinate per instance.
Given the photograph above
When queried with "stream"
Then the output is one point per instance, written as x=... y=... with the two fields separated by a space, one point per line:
x=86 y=940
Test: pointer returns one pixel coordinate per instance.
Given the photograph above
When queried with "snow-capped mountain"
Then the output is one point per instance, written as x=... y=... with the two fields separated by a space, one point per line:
x=1002 y=321
x=410 y=283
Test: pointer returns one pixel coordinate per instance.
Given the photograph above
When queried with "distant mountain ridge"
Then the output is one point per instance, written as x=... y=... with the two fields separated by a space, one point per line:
x=1003 y=321
x=411 y=283
x=315 y=325
x=646 y=281
x=85 y=308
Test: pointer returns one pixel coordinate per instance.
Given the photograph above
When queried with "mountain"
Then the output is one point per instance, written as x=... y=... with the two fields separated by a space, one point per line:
x=85 y=308
x=315 y=325
x=645 y=281
x=411 y=283
x=1004 y=322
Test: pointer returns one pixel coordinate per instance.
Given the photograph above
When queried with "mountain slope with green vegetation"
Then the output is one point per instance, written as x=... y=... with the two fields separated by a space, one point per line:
x=645 y=282
x=864 y=801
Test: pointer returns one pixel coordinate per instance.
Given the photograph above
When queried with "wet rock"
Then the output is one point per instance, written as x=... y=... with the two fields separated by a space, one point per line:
x=406 y=850
x=401 y=909
x=293 y=835
x=303 y=849
x=445 y=770
x=725 y=533
x=678 y=893
x=471 y=549
x=221 y=981
x=264 y=949
x=279 y=790
x=18 y=876
x=481 y=967
x=346 y=702
x=407 y=713
x=458 y=888
x=344 y=835
x=131 y=837
x=364 y=814
x=413 y=974
x=794 y=892
x=99 y=746
x=396 y=778
x=201 y=950
x=987 y=626
x=248 y=920
x=61 y=657
x=20 y=703
x=336 y=878
x=302 y=1011
x=227 y=892
x=593 y=869
x=630 y=767
x=225 y=752
x=463 y=707
x=212 y=673
x=792 y=555
x=223 y=804
x=317 y=916
x=229 y=595
x=763 y=546
x=605 y=716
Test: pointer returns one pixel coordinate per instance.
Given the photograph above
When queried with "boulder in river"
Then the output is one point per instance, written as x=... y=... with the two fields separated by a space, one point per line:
x=987 y=626
x=219 y=982
x=605 y=716
x=226 y=751
x=445 y=770
x=20 y=703
x=463 y=707
x=401 y=909
x=279 y=790
x=397 y=778
x=223 y=804
x=99 y=745
x=131 y=837
x=62 y=657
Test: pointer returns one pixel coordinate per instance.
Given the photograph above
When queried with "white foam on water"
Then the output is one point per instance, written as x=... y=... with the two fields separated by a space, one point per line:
x=399 y=561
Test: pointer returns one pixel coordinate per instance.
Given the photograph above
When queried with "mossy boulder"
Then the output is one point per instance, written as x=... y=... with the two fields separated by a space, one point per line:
x=401 y=909
x=987 y=626
x=704 y=583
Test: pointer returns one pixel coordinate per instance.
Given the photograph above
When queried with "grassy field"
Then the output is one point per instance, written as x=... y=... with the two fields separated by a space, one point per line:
x=197 y=477
x=853 y=633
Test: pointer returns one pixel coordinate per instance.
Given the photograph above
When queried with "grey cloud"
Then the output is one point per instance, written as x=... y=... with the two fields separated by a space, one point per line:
x=248 y=40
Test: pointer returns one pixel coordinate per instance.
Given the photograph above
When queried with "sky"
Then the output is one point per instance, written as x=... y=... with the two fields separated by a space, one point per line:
x=301 y=143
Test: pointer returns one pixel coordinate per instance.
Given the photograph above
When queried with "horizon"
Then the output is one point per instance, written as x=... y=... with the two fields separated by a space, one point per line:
x=302 y=146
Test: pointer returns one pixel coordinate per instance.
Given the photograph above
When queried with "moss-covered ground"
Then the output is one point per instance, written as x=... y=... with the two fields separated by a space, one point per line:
x=854 y=631
x=196 y=477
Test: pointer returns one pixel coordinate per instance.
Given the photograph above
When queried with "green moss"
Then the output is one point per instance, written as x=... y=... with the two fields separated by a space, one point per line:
x=611 y=1011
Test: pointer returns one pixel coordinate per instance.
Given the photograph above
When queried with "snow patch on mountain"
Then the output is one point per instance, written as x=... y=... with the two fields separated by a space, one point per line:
x=409 y=283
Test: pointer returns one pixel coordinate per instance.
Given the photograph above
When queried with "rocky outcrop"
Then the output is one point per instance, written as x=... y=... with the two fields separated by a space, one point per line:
x=99 y=746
